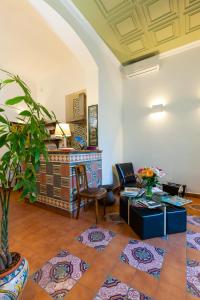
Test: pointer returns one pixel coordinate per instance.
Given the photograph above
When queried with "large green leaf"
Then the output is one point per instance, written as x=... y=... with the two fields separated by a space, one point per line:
x=6 y=81
x=25 y=113
x=25 y=192
x=46 y=112
x=3 y=140
x=6 y=157
x=15 y=100
x=3 y=120
x=18 y=185
x=37 y=155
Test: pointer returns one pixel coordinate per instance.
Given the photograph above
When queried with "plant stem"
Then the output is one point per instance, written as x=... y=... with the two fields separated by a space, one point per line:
x=2 y=264
x=5 y=255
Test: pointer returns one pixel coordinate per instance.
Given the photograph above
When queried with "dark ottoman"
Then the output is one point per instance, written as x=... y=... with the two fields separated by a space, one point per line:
x=123 y=208
x=176 y=219
x=147 y=223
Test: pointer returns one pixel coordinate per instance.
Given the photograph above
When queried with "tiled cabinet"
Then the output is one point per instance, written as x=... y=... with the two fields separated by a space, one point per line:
x=56 y=181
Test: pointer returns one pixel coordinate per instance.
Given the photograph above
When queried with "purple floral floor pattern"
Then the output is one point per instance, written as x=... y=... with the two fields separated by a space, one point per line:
x=193 y=220
x=193 y=240
x=59 y=274
x=96 y=237
x=193 y=275
x=144 y=257
x=113 y=289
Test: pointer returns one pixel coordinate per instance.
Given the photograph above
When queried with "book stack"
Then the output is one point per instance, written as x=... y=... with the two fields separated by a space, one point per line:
x=150 y=203
x=174 y=200
x=160 y=196
x=132 y=192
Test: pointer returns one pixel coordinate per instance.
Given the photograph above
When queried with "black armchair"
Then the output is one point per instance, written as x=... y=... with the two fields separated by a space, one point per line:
x=126 y=175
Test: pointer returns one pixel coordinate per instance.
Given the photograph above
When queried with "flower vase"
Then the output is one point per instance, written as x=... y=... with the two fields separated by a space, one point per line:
x=149 y=192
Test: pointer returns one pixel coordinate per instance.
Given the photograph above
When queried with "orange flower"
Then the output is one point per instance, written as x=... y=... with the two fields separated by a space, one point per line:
x=149 y=173
x=144 y=172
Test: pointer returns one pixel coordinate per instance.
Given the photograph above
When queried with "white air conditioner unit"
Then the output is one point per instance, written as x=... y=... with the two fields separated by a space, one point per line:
x=141 y=67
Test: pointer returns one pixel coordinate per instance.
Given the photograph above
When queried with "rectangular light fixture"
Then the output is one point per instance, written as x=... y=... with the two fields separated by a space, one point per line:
x=157 y=108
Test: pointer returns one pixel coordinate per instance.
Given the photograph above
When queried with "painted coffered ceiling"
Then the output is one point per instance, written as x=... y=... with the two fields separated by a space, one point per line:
x=136 y=28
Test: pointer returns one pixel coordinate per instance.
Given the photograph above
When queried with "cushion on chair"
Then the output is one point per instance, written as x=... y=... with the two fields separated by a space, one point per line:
x=147 y=223
x=98 y=193
x=176 y=219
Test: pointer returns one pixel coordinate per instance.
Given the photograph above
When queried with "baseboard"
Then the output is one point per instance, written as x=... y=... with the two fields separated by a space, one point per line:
x=51 y=208
x=192 y=195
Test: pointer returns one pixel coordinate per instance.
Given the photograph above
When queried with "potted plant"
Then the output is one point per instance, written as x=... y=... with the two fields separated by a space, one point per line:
x=23 y=143
x=150 y=178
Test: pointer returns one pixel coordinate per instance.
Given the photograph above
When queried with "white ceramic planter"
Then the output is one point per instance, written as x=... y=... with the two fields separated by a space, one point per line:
x=13 y=281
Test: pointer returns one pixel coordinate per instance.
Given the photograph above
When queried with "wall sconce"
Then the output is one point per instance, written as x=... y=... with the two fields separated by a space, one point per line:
x=157 y=108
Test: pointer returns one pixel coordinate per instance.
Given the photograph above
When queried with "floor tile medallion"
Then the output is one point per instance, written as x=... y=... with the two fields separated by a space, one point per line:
x=193 y=220
x=193 y=240
x=96 y=237
x=193 y=277
x=59 y=274
x=144 y=257
x=113 y=289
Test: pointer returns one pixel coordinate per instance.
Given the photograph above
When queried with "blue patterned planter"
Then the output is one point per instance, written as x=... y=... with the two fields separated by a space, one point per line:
x=13 y=281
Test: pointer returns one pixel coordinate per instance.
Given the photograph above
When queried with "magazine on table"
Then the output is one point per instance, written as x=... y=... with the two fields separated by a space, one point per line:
x=176 y=200
x=150 y=203
x=132 y=192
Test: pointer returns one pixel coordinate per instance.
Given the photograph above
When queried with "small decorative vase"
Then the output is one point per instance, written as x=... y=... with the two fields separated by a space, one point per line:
x=149 y=192
x=13 y=281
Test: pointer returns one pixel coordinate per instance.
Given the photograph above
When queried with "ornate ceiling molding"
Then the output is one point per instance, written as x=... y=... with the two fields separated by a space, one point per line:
x=134 y=28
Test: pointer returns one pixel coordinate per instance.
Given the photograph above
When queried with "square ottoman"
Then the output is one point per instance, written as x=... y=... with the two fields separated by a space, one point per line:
x=123 y=208
x=147 y=223
x=176 y=219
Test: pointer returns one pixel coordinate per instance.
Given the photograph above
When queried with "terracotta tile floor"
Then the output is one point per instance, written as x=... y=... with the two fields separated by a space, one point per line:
x=39 y=235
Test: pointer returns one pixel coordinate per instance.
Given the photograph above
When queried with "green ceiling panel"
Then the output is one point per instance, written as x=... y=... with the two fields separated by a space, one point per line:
x=136 y=28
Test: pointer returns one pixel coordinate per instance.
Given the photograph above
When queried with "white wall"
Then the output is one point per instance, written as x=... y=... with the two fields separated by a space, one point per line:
x=171 y=141
x=51 y=90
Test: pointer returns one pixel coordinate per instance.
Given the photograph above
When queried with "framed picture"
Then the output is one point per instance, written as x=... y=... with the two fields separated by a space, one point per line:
x=93 y=125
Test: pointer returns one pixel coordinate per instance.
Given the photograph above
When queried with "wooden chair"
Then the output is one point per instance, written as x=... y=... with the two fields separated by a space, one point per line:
x=85 y=193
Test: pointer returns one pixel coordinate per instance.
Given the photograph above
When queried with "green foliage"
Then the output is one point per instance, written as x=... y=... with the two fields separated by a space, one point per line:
x=23 y=144
x=150 y=181
x=15 y=100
